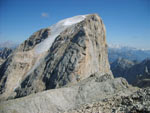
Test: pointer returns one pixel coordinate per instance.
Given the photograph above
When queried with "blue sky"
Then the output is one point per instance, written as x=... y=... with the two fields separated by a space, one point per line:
x=127 y=21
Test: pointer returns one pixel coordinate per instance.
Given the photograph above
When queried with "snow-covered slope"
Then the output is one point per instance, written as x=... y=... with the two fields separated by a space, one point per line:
x=55 y=30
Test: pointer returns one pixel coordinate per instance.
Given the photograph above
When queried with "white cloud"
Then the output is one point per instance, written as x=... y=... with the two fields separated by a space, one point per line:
x=45 y=15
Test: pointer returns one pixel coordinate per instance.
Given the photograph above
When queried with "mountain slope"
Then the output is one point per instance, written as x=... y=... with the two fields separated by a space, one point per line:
x=120 y=67
x=63 y=54
x=93 y=89
x=137 y=74
x=4 y=53
x=69 y=60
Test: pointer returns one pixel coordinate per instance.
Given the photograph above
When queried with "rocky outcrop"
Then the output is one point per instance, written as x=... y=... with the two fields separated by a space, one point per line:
x=138 y=102
x=63 y=54
x=91 y=90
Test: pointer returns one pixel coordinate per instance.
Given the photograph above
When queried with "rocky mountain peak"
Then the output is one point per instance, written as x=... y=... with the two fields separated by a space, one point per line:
x=64 y=54
x=60 y=68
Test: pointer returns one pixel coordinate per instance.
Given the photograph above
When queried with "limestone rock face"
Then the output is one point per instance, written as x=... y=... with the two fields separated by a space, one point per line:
x=63 y=54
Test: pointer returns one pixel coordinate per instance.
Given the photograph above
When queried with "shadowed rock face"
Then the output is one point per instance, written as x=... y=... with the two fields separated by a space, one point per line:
x=120 y=66
x=76 y=53
x=4 y=53
x=137 y=74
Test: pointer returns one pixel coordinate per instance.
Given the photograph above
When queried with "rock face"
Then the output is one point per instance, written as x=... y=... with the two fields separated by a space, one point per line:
x=92 y=89
x=1 y=61
x=4 y=53
x=63 y=54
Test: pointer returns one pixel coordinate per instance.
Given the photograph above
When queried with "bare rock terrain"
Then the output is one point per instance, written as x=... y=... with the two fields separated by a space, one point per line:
x=77 y=52
x=64 y=68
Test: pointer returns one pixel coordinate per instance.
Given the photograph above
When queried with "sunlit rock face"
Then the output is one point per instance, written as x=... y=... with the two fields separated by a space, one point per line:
x=64 y=54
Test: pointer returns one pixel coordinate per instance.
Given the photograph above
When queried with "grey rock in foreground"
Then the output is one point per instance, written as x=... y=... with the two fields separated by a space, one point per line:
x=138 y=102
x=92 y=89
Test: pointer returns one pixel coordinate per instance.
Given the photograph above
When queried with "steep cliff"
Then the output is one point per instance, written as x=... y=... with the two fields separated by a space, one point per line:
x=63 y=54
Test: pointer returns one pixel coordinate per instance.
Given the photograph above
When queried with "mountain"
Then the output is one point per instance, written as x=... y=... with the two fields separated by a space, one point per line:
x=125 y=52
x=137 y=74
x=4 y=53
x=60 y=68
x=6 y=49
x=120 y=66
x=63 y=54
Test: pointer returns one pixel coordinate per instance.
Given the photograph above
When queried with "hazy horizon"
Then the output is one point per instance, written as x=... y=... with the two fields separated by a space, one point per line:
x=127 y=22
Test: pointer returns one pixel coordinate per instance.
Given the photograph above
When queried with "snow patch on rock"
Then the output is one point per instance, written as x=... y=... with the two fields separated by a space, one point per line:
x=55 y=30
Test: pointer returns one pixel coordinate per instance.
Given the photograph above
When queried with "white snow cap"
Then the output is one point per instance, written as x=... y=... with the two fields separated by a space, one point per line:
x=55 y=31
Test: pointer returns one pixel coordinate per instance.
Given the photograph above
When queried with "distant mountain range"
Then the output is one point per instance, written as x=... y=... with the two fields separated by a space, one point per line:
x=137 y=74
x=8 y=44
x=130 y=53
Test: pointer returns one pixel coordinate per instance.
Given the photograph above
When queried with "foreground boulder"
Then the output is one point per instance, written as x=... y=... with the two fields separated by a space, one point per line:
x=63 y=54
x=92 y=89
x=137 y=102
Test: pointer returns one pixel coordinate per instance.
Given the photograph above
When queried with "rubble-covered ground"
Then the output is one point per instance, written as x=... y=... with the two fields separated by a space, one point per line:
x=138 y=102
